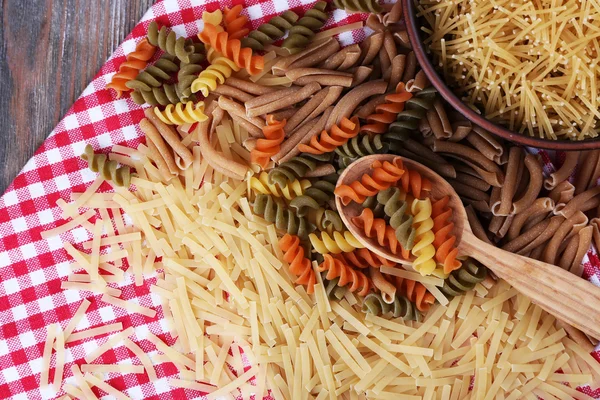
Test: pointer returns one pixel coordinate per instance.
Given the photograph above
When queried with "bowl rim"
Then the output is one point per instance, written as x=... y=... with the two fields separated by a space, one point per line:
x=436 y=80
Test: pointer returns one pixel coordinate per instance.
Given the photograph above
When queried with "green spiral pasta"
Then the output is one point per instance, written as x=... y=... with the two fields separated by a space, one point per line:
x=401 y=220
x=332 y=288
x=401 y=307
x=326 y=220
x=315 y=196
x=367 y=6
x=197 y=56
x=362 y=145
x=296 y=168
x=108 y=169
x=464 y=279
x=154 y=75
x=269 y=32
x=164 y=95
x=186 y=75
x=372 y=203
x=415 y=110
x=169 y=43
x=276 y=212
x=302 y=32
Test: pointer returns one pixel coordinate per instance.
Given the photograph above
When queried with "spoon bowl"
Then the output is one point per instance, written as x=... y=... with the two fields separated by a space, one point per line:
x=562 y=294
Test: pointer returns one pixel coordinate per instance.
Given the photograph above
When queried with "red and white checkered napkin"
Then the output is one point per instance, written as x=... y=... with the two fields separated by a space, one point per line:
x=31 y=269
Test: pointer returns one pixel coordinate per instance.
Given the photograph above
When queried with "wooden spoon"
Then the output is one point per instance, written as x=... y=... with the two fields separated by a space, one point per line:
x=562 y=294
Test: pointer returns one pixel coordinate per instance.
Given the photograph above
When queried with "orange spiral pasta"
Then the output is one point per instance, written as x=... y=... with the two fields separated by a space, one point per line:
x=337 y=136
x=299 y=265
x=363 y=258
x=412 y=182
x=232 y=49
x=269 y=146
x=379 y=229
x=235 y=22
x=335 y=268
x=134 y=63
x=415 y=292
x=382 y=177
x=387 y=112
x=445 y=251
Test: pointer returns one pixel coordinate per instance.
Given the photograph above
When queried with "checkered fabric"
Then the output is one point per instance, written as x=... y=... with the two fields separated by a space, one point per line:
x=31 y=269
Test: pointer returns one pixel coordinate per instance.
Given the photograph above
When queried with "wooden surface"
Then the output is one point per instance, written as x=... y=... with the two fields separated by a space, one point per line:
x=49 y=52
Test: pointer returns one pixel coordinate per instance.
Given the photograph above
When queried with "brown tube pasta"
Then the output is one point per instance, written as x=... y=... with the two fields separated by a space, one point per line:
x=410 y=67
x=360 y=74
x=332 y=93
x=171 y=137
x=252 y=129
x=215 y=159
x=438 y=120
x=473 y=181
x=321 y=170
x=568 y=255
x=577 y=201
x=386 y=54
x=499 y=225
x=325 y=77
x=564 y=172
x=479 y=205
x=469 y=191
x=160 y=162
x=585 y=240
x=370 y=48
x=401 y=38
x=583 y=174
x=443 y=169
x=569 y=227
x=423 y=151
x=590 y=204
x=488 y=170
x=540 y=240
x=344 y=59
x=249 y=86
x=476 y=226
x=284 y=102
x=235 y=93
x=536 y=179
x=314 y=54
x=420 y=82
x=369 y=107
x=520 y=243
x=289 y=148
x=347 y=104
x=158 y=148
x=236 y=109
x=562 y=193
x=504 y=206
x=285 y=114
x=271 y=97
x=541 y=206
x=397 y=70
x=461 y=130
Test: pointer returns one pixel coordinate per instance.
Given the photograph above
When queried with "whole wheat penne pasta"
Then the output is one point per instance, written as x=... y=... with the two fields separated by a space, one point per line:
x=291 y=99
x=473 y=181
x=289 y=148
x=562 y=193
x=306 y=110
x=326 y=80
x=370 y=48
x=215 y=159
x=410 y=68
x=419 y=82
x=314 y=54
x=575 y=204
x=534 y=187
x=397 y=70
x=249 y=86
x=564 y=172
x=271 y=97
x=159 y=148
x=235 y=108
x=568 y=228
x=541 y=206
x=344 y=59
x=285 y=114
x=347 y=104
x=587 y=166
x=476 y=226
x=369 y=107
x=234 y=93
x=543 y=237
x=438 y=120
x=171 y=137
x=361 y=74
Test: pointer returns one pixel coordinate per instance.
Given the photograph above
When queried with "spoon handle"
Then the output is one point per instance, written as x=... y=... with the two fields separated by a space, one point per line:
x=562 y=294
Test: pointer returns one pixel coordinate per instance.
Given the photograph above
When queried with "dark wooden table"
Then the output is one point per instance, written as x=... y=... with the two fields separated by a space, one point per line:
x=49 y=52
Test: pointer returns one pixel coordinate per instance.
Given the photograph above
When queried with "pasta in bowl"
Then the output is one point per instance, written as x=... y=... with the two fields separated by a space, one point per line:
x=502 y=78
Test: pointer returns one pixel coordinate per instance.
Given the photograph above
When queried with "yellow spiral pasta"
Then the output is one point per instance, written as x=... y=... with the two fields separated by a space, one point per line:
x=340 y=242
x=215 y=17
x=179 y=115
x=220 y=68
x=295 y=188
x=423 y=248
